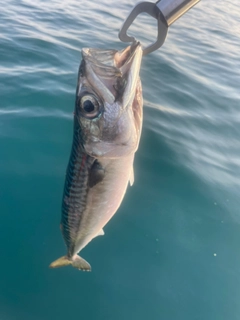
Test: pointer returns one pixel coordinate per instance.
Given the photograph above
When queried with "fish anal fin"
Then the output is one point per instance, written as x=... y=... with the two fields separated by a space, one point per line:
x=131 y=179
x=101 y=233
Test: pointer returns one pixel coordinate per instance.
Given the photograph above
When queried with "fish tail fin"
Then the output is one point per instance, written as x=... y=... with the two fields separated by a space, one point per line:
x=61 y=262
x=76 y=261
x=80 y=263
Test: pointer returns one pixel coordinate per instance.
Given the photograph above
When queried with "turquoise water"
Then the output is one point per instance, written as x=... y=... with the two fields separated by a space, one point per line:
x=172 y=250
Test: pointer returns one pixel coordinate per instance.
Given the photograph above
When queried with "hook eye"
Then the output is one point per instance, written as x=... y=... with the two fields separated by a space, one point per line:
x=151 y=9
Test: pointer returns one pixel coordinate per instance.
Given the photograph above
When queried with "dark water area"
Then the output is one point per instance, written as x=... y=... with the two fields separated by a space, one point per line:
x=171 y=251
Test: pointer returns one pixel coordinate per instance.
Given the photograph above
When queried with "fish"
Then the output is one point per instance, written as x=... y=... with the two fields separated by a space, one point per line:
x=106 y=133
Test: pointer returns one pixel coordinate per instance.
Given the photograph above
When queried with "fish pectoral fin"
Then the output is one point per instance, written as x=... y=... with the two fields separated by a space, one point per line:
x=96 y=174
x=76 y=261
x=131 y=180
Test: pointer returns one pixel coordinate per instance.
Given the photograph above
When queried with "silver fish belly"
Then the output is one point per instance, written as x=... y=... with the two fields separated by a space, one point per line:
x=107 y=129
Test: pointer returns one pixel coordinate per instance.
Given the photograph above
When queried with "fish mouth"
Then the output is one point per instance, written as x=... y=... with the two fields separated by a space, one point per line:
x=113 y=74
x=124 y=57
x=128 y=61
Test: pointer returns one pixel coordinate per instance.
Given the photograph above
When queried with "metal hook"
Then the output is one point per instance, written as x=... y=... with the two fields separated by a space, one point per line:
x=153 y=11
x=165 y=11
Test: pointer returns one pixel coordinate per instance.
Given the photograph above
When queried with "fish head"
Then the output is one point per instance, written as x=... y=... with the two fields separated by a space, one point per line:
x=108 y=106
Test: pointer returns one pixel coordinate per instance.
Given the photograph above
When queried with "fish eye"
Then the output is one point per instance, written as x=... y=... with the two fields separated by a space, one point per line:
x=89 y=106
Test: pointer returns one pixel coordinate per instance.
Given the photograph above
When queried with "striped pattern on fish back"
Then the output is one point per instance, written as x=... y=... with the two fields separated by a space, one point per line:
x=75 y=190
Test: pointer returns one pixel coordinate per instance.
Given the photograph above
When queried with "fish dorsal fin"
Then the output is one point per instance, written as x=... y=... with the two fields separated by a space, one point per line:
x=131 y=180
